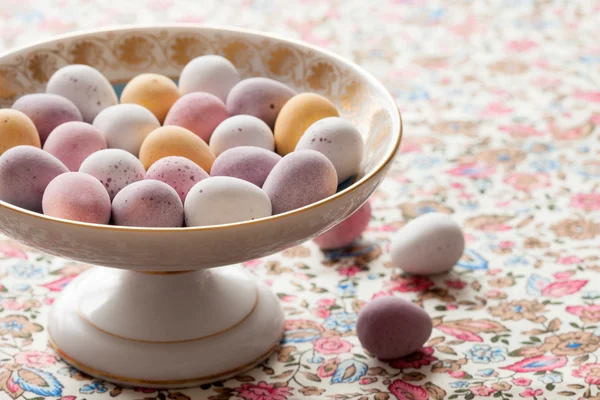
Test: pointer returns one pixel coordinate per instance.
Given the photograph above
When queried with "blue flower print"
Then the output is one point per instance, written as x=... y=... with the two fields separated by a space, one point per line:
x=349 y=371
x=459 y=384
x=484 y=354
x=94 y=387
x=37 y=382
x=342 y=322
x=13 y=326
x=545 y=165
x=485 y=372
x=550 y=377
x=347 y=288
x=316 y=359
x=515 y=261
x=24 y=269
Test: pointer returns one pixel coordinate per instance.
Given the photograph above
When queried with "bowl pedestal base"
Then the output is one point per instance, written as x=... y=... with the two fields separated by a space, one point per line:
x=165 y=330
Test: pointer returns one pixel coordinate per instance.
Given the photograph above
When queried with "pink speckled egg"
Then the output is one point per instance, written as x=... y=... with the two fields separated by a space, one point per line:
x=25 y=171
x=347 y=231
x=252 y=164
x=178 y=172
x=391 y=327
x=148 y=203
x=47 y=111
x=299 y=179
x=200 y=113
x=78 y=197
x=73 y=142
x=114 y=168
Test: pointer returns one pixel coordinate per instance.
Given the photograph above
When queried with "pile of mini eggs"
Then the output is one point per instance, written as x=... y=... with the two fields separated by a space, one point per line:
x=214 y=149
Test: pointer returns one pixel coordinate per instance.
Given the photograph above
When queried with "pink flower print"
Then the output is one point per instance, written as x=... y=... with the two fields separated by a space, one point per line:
x=405 y=391
x=59 y=284
x=591 y=373
x=381 y=293
x=521 y=131
x=563 y=275
x=412 y=284
x=263 y=391
x=288 y=298
x=586 y=201
x=326 y=302
x=590 y=313
x=496 y=109
x=521 y=45
x=349 y=271
x=456 y=284
x=332 y=345
x=569 y=260
x=35 y=359
x=521 y=382
x=526 y=182
x=252 y=263
x=460 y=334
x=415 y=360
x=12 y=305
x=529 y=392
x=12 y=251
x=473 y=170
x=588 y=96
x=482 y=390
x=320 y=312
x=563 y=288
x=457 y=374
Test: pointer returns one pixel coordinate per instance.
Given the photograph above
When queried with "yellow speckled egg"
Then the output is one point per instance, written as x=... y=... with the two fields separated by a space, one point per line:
x=300 y=112
x=154 y=91
x=175 y=141
x=16 y=129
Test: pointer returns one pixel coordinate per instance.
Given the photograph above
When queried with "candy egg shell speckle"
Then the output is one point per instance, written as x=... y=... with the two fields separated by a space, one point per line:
x=125 y=126
x=25 y=171
x=260 y=97
x=251 y=164
x=178 y=172
x=200 y=113
x=114 y=168
x=430 y=244
x=300 y=112
x=85 y=86
x=16 y=129
x=78 y=197
x=241 y=130
x=225 y=200
x=391 y=327
x=154 y=91
x=47 y=111
x=338 y=140
x=299 y=179
x=211 y=73
x=73 y=142
x=175 y=141
x=148 y=203
x=347 y=231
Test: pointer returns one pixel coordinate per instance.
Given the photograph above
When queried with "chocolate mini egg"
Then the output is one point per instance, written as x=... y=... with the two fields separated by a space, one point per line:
x=78 y=197
x=148 y=203
x=178 y=172
x=16 y=129
x=259 y=97
x=73 y=142
x=25 y=171
x=175 y=141
x=125 y=126
x=300 y=112
x=225 y=200
x=241 y=130
x=430 y=244
x=338 y=140
x=47 y=111
x=251 y=164
x=85 y=86
x=211 y=74
x=347 y=231
x=154 y=91
x=299 y=179
x=114 y=168
x=391 y=327
x=200 y=113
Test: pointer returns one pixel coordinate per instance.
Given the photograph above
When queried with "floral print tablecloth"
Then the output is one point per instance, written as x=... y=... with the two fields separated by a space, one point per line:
x=501 y=103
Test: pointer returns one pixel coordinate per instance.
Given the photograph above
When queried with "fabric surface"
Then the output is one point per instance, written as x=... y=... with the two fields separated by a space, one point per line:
x=501 y=105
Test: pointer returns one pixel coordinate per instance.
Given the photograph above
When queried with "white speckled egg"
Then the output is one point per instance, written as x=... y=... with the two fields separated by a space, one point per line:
x=241 y=130
x=211 y=73
x=86 y=87
x=430 y=244
x=339 y=141
x=125 y=126
x=225 y=200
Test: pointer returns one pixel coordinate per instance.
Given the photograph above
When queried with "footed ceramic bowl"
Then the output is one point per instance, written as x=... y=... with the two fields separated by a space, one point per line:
x=163 y=315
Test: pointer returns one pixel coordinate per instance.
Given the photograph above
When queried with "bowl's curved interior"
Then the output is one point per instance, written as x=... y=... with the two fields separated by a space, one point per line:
x=122 y=53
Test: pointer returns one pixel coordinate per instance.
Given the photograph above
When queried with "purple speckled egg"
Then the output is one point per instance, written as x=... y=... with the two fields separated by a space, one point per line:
x=47 y=111
x=252 y=164
x=178 y=172
x=73 y=142
x=391 y=327
x=299 y=179
x=148 y=203
x=347 y=231
x=259 y=97
x=78 y=197
x=198 y=112
x=114 y=168
x=25 y=171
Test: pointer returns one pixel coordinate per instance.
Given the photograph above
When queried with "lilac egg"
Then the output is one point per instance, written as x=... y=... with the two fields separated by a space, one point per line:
x=47 y=111
x=78 y=197
x=249 y=163
x=148 y=203
x=391 y=327
x=259 y=97
x=114 y=168
x=73 y=142
x=347 y=231
x=299 y=179
x=198 y=112
x=25 y=171
x=178 y=172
